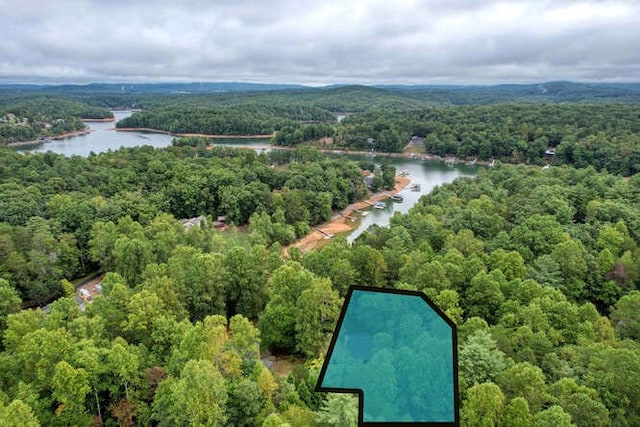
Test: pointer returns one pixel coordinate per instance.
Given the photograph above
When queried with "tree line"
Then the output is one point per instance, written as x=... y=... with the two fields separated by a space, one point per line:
x=602 y=135
x=250 y=119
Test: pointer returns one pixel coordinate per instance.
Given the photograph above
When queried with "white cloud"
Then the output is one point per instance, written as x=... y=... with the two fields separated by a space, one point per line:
x=360 y=41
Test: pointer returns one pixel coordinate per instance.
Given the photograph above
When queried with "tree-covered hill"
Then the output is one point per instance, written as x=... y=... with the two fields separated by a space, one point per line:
x=558 y=91
x=538 y=268
x=606 y=136
x=250 y=119
x=53 y=106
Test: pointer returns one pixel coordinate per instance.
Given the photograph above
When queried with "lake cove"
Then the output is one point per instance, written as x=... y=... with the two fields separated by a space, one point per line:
x=357 y=218
x=103 y=137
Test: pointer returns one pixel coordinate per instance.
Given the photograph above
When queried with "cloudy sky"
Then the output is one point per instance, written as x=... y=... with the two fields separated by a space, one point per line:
x=319 y=41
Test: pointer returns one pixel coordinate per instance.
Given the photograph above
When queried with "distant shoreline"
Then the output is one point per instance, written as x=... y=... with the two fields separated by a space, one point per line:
x=106 y=119
x=199 y=135
x=53 y=138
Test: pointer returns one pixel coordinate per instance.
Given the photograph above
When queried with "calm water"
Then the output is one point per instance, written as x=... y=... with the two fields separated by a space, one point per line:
x=104 y=138
x=428 y=174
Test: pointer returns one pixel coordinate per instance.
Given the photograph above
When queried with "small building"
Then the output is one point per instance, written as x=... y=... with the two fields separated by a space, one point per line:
x=192 y=222
x=220 y=222
x=85 y=294
x=367 y=178
x=417 y=140
x=88 y=291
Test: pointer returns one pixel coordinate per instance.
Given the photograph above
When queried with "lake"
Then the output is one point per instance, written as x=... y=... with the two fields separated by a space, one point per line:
x=103 y=137
x=428 y=174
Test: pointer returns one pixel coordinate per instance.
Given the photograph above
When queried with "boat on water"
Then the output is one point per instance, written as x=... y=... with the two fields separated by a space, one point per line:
x=397 y=198
x=380 y=205
x=415 y=187
x=472 y=162
x=404 y=172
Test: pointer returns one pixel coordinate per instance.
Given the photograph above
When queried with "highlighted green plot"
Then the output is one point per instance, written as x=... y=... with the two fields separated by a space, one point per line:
x=397 y=350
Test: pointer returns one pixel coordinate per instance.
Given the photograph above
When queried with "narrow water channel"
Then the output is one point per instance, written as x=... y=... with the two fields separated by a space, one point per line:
x=428 y=174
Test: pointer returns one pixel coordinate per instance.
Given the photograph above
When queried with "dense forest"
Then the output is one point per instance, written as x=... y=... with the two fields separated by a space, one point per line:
x=539 y=268
x=56 y=212
x=540 y=271
x=240 y=120
x=557 y=91
x=606 y=136
x=508 y=126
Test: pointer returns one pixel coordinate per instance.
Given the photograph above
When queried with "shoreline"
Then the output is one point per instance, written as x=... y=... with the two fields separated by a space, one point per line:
x=339 y=224
x=52 y=138
x=199 y=135
x=106 y=119
x=71 y=134
x=404 y=155
x=339 y=151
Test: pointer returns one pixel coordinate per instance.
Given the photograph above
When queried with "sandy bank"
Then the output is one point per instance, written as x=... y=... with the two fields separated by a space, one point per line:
x=71 y=134
x=106 y=119
x=341 y=224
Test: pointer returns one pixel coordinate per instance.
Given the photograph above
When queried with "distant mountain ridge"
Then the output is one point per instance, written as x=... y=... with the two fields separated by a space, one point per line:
x=554 y=91
x=166 y=88
x=200 y=87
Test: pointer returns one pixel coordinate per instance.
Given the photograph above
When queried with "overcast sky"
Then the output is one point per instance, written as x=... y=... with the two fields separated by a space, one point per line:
x=319 y=41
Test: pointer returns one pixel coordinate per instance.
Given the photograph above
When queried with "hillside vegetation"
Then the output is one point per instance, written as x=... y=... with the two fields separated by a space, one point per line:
x=539 y=268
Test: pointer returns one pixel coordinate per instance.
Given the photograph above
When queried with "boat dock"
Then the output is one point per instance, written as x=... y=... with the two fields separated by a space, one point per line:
x=326 y=235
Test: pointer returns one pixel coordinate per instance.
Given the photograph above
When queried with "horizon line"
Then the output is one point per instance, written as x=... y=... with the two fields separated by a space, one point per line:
x=315 y=85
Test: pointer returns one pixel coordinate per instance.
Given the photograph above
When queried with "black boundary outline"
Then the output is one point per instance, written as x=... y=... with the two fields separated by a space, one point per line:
x=360 y=393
